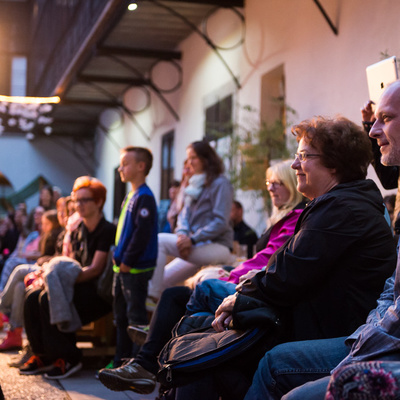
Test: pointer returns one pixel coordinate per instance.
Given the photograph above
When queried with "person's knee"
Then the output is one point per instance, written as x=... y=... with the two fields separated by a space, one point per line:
x=19 y=289
x=164 y=240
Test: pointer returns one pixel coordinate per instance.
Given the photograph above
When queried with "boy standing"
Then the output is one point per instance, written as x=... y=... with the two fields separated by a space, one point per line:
x=135 y=255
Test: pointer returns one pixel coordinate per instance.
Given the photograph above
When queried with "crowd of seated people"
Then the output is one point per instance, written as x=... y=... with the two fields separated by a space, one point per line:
x=13 y=295
x=287 y=207
x=320 y=266
x=334 y=265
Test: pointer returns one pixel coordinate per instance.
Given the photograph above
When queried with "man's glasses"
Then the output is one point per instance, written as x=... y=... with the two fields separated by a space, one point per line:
x=304 y=156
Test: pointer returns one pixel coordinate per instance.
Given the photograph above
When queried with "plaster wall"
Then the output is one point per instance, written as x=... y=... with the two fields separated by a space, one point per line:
x=22 y=161
x=324 y=72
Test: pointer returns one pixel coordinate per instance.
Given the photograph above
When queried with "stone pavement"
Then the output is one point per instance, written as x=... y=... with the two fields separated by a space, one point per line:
x=81 y=386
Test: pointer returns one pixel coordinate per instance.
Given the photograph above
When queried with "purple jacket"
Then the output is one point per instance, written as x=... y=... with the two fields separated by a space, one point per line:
x=280 y=233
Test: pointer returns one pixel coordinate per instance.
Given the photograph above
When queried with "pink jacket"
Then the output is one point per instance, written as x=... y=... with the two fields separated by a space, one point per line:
x=280 y=233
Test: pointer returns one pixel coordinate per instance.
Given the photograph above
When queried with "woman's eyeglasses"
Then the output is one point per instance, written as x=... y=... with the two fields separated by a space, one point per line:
x=304 y=156
x=273 y=183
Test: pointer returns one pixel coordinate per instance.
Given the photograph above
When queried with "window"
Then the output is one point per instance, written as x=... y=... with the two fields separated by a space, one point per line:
x=219 y=119
x=18 y=76
x=167 y=163
x=273 y=96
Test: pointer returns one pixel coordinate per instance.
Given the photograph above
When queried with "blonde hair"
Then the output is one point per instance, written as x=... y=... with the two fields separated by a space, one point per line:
x=283 y=172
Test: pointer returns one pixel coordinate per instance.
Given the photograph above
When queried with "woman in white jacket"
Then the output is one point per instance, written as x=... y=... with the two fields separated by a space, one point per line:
x=203 y=235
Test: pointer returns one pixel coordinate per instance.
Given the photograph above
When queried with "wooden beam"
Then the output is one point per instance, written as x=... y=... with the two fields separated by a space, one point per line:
x=220 y=3
x=82 y=102
x=114 y=79
x=142 y=53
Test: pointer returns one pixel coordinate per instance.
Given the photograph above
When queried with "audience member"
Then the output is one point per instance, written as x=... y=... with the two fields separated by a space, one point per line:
x=378 y=339
x=9 y=235
x=177 y=204
x=54 y=343
x=12 y=297
x=27 y=250
x=203 y=235
x=389 y=202
x=164 y=224
x=135 y=255
x=46 y=201
x=57 y=193
x=326 y=278
x=242 y=233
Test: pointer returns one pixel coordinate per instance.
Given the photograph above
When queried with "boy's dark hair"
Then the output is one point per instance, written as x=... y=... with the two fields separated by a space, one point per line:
x=238 y=204
x=141 y=154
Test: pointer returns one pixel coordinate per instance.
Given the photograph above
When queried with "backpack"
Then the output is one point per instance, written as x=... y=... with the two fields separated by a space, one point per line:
x=187 y=355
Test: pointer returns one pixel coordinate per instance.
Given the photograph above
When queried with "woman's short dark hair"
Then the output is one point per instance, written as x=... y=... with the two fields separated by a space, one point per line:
x=212 y=163
x=343 y=145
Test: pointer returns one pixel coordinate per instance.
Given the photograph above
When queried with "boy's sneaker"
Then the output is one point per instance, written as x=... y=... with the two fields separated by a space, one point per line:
x=62 y=369
x=130 y=376
x=34 y=366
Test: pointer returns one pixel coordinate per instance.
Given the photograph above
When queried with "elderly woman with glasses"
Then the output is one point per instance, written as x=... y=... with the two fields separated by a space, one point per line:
x=327 y=277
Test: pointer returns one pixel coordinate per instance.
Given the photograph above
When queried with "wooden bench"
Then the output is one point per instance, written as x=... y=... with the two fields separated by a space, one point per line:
x=97 y=338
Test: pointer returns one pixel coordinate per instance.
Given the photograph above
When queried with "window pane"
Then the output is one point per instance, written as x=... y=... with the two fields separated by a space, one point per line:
x=18 y=76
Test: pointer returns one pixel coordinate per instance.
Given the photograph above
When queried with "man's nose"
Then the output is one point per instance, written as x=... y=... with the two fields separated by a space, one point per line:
x=376 y=130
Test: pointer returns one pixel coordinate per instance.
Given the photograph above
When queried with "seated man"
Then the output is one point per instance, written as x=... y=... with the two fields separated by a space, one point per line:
x=242 y=233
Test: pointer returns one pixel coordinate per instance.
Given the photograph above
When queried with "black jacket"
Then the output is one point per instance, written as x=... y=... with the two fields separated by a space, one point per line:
x=327 y=277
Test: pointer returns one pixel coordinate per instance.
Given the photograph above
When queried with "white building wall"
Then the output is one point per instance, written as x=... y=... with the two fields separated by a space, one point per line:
x=22 y=161
x=324 y=72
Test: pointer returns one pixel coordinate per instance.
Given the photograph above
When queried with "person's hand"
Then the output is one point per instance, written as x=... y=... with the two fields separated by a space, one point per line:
x=249 y=275
x=223 y=315
x=124 y=268
x=184 y=245
x=367 y=112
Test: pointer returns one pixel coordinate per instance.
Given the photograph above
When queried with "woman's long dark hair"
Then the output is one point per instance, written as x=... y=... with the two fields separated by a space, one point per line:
x=212 y=162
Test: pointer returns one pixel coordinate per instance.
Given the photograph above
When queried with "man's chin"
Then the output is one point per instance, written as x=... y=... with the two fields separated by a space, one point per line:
x=390 y=161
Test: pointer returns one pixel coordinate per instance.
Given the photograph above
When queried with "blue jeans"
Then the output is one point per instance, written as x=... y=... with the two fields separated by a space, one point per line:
x=130 y=293
x=208 y=295
x=292 y=364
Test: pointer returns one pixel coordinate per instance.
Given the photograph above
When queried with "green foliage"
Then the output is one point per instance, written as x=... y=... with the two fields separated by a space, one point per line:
x=253 y=145
x=250 y=147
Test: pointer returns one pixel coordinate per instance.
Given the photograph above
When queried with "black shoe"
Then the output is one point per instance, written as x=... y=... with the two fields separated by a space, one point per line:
x=62 y=369
x=130 y=376
x=34 y=366
x=108 y=366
